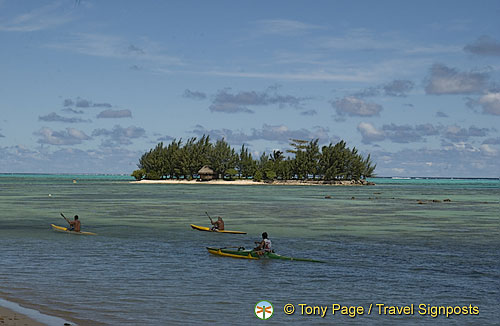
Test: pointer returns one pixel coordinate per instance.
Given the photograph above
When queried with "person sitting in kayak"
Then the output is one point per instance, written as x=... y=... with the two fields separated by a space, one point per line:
x=218 y=225
x=264 y=245
x=74 y=225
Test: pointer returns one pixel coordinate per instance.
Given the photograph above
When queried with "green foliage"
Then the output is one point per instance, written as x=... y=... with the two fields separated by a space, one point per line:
x=258 y=175
x=193 y=156
x=222 y=157
x=333 y=162
x=232 y=173
x=307 y=157
x=153 y=175
x=152 y=162
x=298 y=145
x=339 y=162
x=284 y=170
x=269 y=174
x=245 y=163
x=138 y=174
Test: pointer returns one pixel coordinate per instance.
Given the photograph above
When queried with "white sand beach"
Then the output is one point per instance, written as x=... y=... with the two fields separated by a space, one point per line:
x=253 y=183
x=211 y=182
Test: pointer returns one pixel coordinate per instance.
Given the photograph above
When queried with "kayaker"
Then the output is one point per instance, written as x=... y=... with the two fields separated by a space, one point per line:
x=217 y=225
x=264 y=245
x=74 y=225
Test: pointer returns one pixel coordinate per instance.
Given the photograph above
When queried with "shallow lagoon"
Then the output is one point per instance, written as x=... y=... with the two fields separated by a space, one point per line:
x=147 y=266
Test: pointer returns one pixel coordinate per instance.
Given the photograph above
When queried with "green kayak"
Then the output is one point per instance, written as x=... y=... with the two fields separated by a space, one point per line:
x=251 y=254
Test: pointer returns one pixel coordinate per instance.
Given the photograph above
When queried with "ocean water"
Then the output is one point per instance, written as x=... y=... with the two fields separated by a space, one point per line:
x=146 y=266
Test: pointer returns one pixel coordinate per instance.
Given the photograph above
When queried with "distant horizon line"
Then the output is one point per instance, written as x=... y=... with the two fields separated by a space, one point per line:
x=396 y=177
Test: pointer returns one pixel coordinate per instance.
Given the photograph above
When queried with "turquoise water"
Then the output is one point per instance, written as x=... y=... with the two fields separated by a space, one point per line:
x=147 y=266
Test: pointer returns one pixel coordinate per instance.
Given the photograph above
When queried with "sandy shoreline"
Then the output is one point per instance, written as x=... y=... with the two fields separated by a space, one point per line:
x=253 y=183
x=13 y=314
x=212 y=182
x=9 y=317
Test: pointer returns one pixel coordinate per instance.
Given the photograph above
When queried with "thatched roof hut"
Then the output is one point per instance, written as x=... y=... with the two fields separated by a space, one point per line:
x=206 y=173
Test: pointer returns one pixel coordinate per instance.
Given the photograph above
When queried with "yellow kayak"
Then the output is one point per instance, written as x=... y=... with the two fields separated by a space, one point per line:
x=252 y=254
x=245 y=254
x=204 y=228
x=63 y=229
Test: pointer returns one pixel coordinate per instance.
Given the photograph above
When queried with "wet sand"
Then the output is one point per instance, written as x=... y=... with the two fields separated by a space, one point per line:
x=13 y=314
x=11 y=318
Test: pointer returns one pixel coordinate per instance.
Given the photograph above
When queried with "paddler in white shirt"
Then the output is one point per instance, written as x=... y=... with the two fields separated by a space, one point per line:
x=264 y=245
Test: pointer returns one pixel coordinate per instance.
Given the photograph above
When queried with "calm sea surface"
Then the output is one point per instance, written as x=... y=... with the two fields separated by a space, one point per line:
x=148 y=267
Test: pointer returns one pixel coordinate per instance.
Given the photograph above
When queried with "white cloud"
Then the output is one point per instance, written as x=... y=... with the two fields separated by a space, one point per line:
x=284 y=27
x=488 y=150
x=227 y=102
x=110 y=46
x=370 y=133
x=462 y=160
x=70 y=136
x=317 y=75
x=37 y=19
x=17 y=159
x=432 y=49
x=195 y=95
x=54 y=117
x=409 y=134
x=456 y=133
x=484 y=45
x=118 y=135
x=276 y=133
x=491 y=103
x=78 y=134
x=353 y=106
x=362 y=39
x=358 y=40
x=115 y=114
x=445 y=80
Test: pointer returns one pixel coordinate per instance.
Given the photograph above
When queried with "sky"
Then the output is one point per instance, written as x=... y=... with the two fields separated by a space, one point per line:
x=88 y=86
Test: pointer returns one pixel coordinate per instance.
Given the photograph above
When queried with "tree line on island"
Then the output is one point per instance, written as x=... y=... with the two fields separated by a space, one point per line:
x=305 y=162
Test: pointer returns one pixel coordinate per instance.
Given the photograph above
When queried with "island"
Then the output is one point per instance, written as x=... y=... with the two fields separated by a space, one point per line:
x=201 y=161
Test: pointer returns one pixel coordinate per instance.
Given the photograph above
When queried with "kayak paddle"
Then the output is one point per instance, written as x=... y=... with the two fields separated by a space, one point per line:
x=65 y=218
x=209 y=218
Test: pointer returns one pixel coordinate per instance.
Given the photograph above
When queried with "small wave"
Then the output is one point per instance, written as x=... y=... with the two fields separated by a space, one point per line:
x=34 y=314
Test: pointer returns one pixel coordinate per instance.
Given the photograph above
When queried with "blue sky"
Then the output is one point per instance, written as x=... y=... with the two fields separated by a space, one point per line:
x=88 y=86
